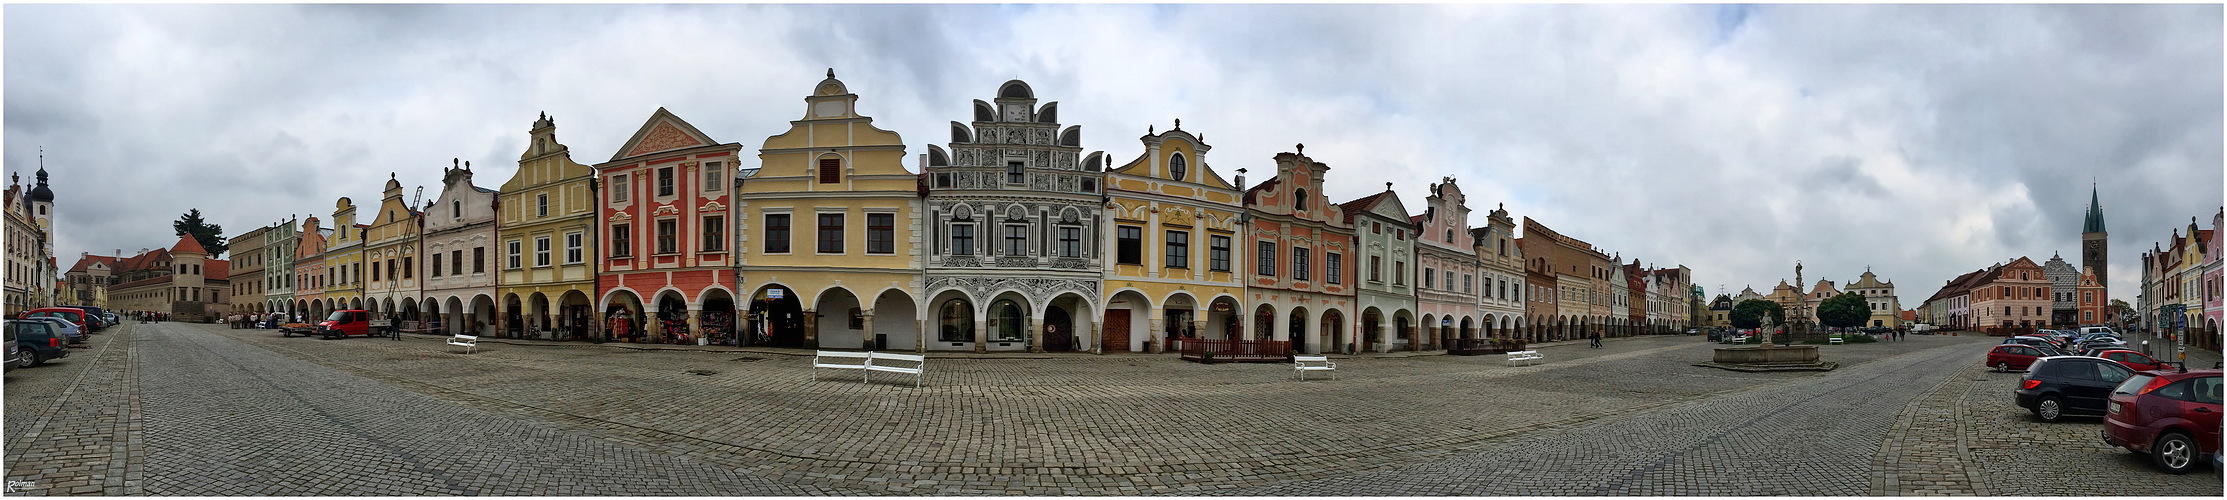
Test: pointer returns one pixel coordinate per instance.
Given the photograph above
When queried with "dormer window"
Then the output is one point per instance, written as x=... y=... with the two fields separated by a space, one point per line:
x=1176 y=166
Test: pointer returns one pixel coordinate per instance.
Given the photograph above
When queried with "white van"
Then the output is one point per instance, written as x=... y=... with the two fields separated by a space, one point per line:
x=2085 y=330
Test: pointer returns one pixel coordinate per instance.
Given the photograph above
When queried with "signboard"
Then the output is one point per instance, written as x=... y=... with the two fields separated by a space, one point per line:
x=774 y=293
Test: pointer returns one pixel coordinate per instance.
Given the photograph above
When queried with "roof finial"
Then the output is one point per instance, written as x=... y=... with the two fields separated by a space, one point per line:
x=467 y=166
x=1179 y=124
x=1387 y=186
x=1302 y=148
x=1148 y=129
x=454 y=162
x=831 y=72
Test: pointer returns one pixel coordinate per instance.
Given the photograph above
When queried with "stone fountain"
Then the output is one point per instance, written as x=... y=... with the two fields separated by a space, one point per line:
x=1772 y=358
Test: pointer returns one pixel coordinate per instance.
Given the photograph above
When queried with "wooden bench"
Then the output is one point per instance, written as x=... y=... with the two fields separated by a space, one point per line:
x=896 y=363
x=1300 y=365
x=470 y=343
x=1518 y=358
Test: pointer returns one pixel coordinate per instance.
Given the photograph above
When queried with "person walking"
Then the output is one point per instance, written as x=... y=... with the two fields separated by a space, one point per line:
x=1596 y=339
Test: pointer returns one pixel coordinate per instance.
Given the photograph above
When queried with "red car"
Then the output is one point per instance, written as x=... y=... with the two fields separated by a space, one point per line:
x=2171 y=415
x=2132 y=359
x=74 y=315
x=2007 y=357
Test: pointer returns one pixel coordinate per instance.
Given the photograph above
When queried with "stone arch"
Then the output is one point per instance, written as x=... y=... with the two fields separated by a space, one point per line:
x=1010 y=314
x=1068 y=323
x=837 y=318
x=953 y=318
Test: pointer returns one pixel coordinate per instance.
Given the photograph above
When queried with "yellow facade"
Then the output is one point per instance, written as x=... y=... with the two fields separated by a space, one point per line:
x=1184 y=270
x=390 y=253
x=833 y=165
x=546 y=172
x=344 y=260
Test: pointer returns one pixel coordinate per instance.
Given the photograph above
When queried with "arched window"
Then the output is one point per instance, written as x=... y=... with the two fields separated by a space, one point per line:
x=1176 y=166
x=1299 y=200
x=957 y=321
x=1010 y=323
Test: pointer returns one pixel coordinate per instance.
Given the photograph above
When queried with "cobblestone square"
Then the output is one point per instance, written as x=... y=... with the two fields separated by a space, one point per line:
x=187 y=409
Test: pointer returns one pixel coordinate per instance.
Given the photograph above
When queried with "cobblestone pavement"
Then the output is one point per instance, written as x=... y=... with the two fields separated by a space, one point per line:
x=74 y=424
x=2021 y=456
x=248 y=412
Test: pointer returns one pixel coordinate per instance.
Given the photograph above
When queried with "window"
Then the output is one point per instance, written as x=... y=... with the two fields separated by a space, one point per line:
x=777 y=233
x=1376 y=268
x=1299 y=263
x=715 y=233
x=1090 y=185
x=436 y=265
x=1217 y=253
x=1179 y=248
x=1129 y=245
x=1175 y=166
x=374 y=270
x=956 y=321
x=541 y=205
x=456 y=257
x=881 y=233
x=1449 y=281
x=622 y=240
x=943 y=180
x=1015 y=173
x=1070 y=242
x=511 y=255
x=572 y=246
x=1299 y=200
x=618 y=188
x=668 y=236
x=407 y=265
x=1333 y=268
x=713 y=177
x=1465 y=283
x=831 y=170
x=1267 y=258
x=1428 y=273
x=456 y=209
x=1399 y=273
x=962 y=239
x=1016 y=240
x=665 y=181
x=541 y=251
x=831 y=233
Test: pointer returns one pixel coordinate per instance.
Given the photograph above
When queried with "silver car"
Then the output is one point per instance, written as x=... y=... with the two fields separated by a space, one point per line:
x=69 y=330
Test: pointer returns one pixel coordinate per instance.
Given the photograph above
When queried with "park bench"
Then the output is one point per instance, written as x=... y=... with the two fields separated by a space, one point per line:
x=1833 y=339
x=1516 y=358
x=1300 y=365
x=841 y=360
x=470 y=343
x=896 y=363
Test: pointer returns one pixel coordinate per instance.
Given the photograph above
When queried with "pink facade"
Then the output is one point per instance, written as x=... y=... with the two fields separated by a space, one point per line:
x=665 y=231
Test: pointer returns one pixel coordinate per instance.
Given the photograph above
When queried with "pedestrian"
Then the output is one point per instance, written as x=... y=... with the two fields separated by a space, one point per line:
x=1596 y=338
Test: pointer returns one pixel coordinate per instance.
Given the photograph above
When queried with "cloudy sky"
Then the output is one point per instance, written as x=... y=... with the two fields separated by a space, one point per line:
x=1918 y=141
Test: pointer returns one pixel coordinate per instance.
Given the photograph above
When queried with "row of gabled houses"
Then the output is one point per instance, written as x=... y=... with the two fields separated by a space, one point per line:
x=1008 y=238
x=2181 y=284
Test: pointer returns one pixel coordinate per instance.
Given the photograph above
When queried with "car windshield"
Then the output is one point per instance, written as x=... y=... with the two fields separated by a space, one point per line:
x=2133 y=384
x=338 y=316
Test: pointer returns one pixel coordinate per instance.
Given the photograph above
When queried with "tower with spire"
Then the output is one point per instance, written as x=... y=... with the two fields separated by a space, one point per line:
x=41 y=204
x=2094 y=281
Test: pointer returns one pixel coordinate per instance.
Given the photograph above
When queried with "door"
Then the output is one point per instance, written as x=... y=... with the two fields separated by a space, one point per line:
x=1116 y=331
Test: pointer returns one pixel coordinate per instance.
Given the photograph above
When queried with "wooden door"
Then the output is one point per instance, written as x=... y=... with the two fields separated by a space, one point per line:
x=1116 y=331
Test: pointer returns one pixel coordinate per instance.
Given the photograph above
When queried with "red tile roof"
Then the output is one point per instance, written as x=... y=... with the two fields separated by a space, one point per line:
x=216 y=269
x=86 y=262
x=1359 y=205
x=187 y=244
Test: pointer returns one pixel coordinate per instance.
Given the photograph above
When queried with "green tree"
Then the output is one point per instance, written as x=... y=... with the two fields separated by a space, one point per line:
x=1749 y=313
x=210 y=236
x=1843 y=311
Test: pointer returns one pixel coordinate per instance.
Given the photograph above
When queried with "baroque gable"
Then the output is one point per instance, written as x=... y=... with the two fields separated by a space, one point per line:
x=662 y=132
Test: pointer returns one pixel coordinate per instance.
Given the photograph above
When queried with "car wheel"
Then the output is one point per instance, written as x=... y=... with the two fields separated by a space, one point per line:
x=2049 y=409
x=28 y=360
x=2174 y=453
x=2002 y=366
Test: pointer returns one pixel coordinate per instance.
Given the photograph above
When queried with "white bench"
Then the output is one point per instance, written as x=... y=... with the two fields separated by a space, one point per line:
x=1516 y=358
x=841 y=360
x=1835 y=339
x=469 y=342
x=882 y=362
x=1300 y=365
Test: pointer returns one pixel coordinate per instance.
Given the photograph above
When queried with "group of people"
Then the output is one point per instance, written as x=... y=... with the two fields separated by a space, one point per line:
x=150 y=316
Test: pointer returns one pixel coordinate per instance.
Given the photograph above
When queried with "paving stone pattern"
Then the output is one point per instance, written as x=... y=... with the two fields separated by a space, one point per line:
x=86 y=441
x=228 y=419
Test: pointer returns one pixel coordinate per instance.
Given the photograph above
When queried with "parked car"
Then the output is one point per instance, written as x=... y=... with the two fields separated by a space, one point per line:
x=346 y=323
x=2131 y=359
x=2171 y=415
x=2056 y=386
x=1716 y=335
x=39 y=342
x=2028 y=340
x=2007 y=357
x=98 y=316
x=70 y=332
x=2104 y=344
x=2088 y=330
x=74 y=315
x=112 y=318
x=15 y=352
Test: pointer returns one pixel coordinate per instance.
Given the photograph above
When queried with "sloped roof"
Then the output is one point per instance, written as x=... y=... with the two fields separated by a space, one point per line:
x=1355 y=207
x=86 y=263
x=1264 y=185
x=216 y=269
x=187 y=244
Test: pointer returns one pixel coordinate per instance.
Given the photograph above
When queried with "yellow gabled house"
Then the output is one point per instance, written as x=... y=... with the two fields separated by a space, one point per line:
x=829 y=246
x=1171 y=272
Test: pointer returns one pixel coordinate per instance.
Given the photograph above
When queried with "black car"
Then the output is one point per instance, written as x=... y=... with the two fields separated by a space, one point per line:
x=2057 y=386
x=38 y=342
x=1716 y=335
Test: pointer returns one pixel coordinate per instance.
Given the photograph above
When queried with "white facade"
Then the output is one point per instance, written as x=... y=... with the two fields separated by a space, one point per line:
x=459 y=239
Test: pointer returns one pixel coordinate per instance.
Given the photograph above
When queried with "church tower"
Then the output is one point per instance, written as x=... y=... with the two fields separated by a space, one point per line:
x=41 y=201
x=2094 y=247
